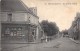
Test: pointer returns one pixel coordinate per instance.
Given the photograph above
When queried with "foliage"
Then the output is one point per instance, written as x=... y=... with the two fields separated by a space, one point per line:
x=65 y=32
x=50 y=28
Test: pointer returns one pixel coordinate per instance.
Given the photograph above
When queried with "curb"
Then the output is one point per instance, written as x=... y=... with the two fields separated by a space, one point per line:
x=77 y=42
x=19 y=43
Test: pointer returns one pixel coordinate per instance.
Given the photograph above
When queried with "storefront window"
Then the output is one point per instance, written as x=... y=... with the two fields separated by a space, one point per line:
x=19 y=28
x=19 y=33
x=7 y=31
x=12 y=34
x=13 y=31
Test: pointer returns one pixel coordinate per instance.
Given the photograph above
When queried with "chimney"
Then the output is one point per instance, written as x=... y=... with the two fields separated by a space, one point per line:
x=34 y=10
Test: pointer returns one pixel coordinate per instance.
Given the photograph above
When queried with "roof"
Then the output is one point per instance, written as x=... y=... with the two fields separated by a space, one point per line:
x=15 y=5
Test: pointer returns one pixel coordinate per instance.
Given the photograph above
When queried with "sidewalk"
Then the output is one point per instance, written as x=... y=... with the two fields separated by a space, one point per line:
x=18 y=42
x=11 y=47
x=76 y=41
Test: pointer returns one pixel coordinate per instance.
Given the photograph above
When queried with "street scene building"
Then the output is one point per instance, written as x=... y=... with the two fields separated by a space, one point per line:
x=74 y=31
x=18 y=22
x=21 y=30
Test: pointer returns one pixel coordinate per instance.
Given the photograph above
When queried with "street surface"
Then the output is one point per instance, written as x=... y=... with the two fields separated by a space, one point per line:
x=61 y=44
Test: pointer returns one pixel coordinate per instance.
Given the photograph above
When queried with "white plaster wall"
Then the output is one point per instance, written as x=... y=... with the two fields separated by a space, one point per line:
x=34 y=20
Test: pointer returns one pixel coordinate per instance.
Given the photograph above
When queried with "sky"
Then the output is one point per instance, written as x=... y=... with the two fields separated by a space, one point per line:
x=62 y=12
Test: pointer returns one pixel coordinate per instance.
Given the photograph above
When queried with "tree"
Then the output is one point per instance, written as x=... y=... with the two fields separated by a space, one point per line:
x=50 y=28
x=65 y=32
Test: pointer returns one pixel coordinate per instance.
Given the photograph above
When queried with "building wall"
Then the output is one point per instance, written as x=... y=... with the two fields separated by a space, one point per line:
x=0 y=27
x=79 y=30
x=0 y=31
x=15 y=16
x=78 y=25
x=23 y=17
x=39 y=34
x=19 y=17
x=19 y=14
x=4 y=16
x=70 y=32
x=33 y=20
x=74 y=30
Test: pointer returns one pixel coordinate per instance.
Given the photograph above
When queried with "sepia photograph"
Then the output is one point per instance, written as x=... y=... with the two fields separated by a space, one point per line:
x=39 y=25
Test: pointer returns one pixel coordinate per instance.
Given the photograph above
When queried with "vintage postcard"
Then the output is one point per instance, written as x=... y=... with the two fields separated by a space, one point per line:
x=40 y=25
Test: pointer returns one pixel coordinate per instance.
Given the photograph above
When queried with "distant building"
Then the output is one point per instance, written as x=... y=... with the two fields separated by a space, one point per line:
x=18 y=22
x=74 y=31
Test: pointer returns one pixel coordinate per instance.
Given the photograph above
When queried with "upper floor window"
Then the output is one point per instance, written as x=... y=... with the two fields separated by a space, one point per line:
x=10 y=17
